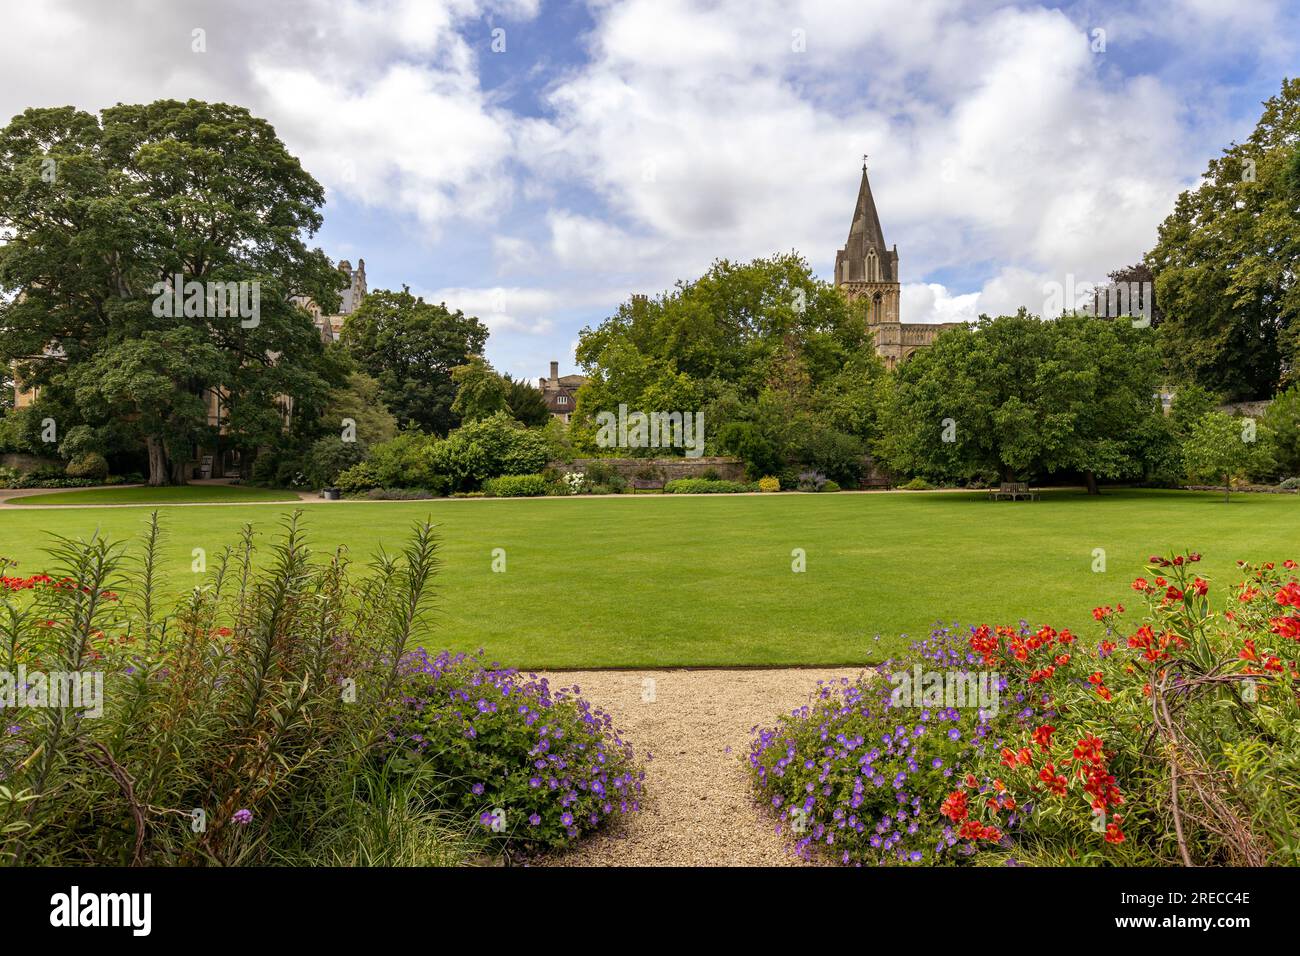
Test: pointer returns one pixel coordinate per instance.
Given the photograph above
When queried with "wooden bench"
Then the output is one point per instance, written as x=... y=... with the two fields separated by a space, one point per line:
x=1012 y=491
x=646 y=484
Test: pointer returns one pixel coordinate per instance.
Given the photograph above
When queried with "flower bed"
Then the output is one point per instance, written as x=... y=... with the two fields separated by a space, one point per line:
x=1171 y=738
x=536 y=767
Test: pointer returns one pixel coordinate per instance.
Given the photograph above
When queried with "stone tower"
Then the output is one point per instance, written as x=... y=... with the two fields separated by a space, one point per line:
x=866 y=270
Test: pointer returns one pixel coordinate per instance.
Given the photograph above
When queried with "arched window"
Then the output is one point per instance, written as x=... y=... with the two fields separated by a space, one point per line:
x=873 y=266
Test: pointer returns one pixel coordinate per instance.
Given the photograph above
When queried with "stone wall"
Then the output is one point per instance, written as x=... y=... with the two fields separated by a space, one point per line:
x=1248 y=409
x=667 y=468
x=25 y=463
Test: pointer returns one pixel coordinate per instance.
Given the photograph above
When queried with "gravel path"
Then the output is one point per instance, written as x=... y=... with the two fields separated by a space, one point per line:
x=698 y=810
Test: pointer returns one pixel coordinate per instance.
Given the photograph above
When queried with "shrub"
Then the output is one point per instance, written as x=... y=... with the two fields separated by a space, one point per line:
x=89 y=464
x=830 y=486
x=488 y=448
x=515 y=486
x=769 y=484
x=811 y=480
x=536 y=767
x=233 y=702
x=861 y=776
x=917 y=484
x=400 y=494
x=357 y=479
x=702 y=486
x=328 y=457
x=1290 y=484
x=573 y=483
x=601 y=473
x=1174 y=738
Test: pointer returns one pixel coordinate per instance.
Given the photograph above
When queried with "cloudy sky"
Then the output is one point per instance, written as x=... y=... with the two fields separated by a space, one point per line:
x=535 y=163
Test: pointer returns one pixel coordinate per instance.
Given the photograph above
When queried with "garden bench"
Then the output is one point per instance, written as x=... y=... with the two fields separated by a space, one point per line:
x=1012 y=491
x=646 y=484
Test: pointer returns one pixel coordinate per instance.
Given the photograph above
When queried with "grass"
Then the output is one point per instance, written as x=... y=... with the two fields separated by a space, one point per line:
x=168 y=495
x=706 y=580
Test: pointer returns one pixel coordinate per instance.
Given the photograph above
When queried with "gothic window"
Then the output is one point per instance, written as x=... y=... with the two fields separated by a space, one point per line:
x=873 y=266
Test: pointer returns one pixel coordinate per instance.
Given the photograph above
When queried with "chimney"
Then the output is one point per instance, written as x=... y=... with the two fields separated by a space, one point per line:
x=555 y=374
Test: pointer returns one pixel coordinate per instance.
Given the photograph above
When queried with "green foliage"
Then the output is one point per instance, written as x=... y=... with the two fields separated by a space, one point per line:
x=748 y=442
x=527 y=404
x=410 y=347
x=774 y=358
x=1281 y=426
x=482 y=449
x=1015 y=395
x=703 y=486
x=830 y=485
x=537 y=768
x=235 y=701
x=1225 y=258
x=516 y=486
x=480 y=391
x=328 y=457
x=1219 y=449
x=141 y=194
x=917 y=484
x=88 y=465
x=361 y=401
x=403 y=462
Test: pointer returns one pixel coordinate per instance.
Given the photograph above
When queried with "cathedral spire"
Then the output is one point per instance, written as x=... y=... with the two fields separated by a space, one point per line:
x=866 y=221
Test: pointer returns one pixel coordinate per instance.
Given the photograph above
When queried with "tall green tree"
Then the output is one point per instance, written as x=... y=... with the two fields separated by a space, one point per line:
x=101 y=214
x=1226 y=262
x=526 y=403
x=1219 y=449
x=410 y=347
x=780 y=364
x=480 y=391
x=1281 y=425
x=1015 y=395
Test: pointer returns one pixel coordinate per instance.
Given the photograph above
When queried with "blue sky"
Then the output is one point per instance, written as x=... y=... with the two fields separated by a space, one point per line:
x=613 y=147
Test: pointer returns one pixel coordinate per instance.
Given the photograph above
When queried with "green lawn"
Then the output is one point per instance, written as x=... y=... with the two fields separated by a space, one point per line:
x=707 y=580
x=170 y=495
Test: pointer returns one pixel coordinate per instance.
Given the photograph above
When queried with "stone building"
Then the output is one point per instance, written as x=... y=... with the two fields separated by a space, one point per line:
x=867 y=270
x=349 y=299
x=560 y=392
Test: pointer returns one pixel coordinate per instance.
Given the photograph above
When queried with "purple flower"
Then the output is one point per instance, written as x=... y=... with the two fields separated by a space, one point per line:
x=242 y=817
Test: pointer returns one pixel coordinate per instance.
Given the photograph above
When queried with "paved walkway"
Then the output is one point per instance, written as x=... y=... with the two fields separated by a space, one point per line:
x=698 y=808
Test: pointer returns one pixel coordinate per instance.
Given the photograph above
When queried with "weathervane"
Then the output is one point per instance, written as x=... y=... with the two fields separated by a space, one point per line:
x=864 y=162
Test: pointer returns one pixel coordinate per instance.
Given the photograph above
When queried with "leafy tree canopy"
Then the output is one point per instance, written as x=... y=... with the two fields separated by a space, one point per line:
x=1225 y=262
x=411 y=347
x=99 y=214
x=763 y=346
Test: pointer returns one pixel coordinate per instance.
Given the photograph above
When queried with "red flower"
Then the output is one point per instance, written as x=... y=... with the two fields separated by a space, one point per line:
x=1286 y=627
x=954 y=806
x=1043 y=736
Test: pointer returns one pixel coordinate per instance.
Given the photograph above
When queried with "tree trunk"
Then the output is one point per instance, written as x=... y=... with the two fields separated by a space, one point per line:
x=1091 y=479
x=158 y=472
x=179 y=476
